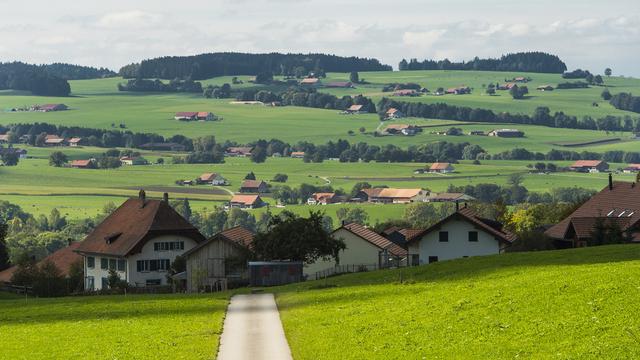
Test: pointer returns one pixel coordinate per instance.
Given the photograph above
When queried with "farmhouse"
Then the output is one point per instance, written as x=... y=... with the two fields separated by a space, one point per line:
x=50 y=107
x=246 y=201
x=545 y=88
x=354 y=109
x=186 y=116
x=520 y=79
x=54 y=140
x=507 y=86
x=364 y=249
x=254 y=186
x=617 y=205
x=211 y=179
x=631 y=168
x=220 y=262
x=297 y=154
x=461 y=234
x=74 y=141
x=169 y=146
x=129 y=160
x=404 y=129
x=507 y=133
x=340 y=84
x=139 y=240
x=477 y=132
x=441 y=168
x=393 y=113
x=83 y=164
x=460 y=90
x=206 y=116
x=589 y=166
x=322 y=199
x=449 y=197
x=311 y=82
x=391 y=195
x=406 y=92
x=238 y=151
x=64 y=259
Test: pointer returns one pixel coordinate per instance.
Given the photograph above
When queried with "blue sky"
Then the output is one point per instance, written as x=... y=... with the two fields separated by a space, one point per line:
x=585 y=34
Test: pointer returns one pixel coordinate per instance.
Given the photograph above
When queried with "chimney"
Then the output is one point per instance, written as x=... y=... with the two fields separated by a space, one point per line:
x=165 y=197
x=142 y=196
x=610 y=181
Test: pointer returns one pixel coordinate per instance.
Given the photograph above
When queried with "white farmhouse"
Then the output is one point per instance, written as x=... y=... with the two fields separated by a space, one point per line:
x=139 y=240
x=461 y=234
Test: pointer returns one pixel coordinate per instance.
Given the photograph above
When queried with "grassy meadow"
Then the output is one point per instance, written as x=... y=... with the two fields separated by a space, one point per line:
x=112 y=327
x=566 y=304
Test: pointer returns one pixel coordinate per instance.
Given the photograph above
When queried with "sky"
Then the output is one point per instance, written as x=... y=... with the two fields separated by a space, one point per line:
x=585 y=34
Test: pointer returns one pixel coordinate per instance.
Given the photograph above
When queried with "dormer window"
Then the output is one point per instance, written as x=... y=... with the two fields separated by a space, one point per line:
x=611 y=212
x=112 y=237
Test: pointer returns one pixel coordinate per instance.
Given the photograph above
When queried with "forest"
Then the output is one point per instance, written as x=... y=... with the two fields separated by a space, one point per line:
x=205 y=66
x=536 y=62
x=626 y=101
x=34 y=78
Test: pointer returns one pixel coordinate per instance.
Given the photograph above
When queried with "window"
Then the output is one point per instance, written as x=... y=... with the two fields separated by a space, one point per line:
x=105 y=283
x=121 y=265
x=168 y=246
x=142 y=265
x=112 y=264
x=153 y=265
x=433 y=259
x=473 y=236
x=154 y=282
x=104 y=263
x=444 y=236
x=90 y=283
x=91 y=262
x=415 y=259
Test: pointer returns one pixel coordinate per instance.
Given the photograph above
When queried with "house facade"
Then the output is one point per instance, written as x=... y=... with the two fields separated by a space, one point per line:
x=212 y=179
x=246 y=201
x=589 y=166
x=507 y=133
x=238 y=151
x=442 y=168
x=131 y=161
x=459 y=235
x=322 y=199
x=139 y=241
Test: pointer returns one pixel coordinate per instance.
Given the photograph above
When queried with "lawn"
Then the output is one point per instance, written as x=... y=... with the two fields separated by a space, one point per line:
x=113 y=327
x=568 y=304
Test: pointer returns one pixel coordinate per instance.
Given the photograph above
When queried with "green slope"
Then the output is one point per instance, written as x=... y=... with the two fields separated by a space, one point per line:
x=571 y=304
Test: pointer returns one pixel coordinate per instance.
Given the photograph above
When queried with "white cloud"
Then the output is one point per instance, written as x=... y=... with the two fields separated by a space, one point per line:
x=134 y=18
x=423 y=39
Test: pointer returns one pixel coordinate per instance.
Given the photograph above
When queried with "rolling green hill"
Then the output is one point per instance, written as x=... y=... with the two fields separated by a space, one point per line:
x=568 y=304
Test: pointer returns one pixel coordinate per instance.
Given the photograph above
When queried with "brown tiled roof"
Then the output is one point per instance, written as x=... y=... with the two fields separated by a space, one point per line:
x=320 y=196
x=127 y=229
x=75 y=140
x=583 y=227
x=187 y=114
x=586 y=163
x=372 y=192
x=492 y=227
x=251 y=184
x=439 y=166
x=81 y=163
x=62 y=259
x=7 y=274
x=398 y=193
x=208 y=176
x=245 y=199
x=392 y=111
x=374 y=238
x=623 y=201
x=397 y=127
x=309 y=81
x=410 y=234
x=238 y=235
x=633 y=167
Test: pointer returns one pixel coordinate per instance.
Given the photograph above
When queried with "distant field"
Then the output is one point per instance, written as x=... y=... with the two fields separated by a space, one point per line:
x=112 y=327
x=526 y=305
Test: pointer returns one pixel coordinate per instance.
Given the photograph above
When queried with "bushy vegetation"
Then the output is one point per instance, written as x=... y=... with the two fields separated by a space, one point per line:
x=536 y=62
x=626 y=101
x=175 y=85
x=77 y=72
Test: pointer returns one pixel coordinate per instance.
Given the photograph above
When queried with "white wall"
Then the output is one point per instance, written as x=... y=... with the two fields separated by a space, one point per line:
x=358 y=252
x=458 y=245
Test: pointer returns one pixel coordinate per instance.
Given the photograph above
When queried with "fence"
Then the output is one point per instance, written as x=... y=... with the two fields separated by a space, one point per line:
x=345 y=269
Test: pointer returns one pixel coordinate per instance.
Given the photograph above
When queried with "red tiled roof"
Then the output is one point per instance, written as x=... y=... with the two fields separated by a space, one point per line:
x=187 y=114
x=633 y=167
x=75 y=140
x=374 y=238
x=586 y=163
x=63 y=259
x=245 y=199
x=7 y=274
x=309 y=81
x=410 y=234
x=439 y=166
x=208 y=176
x=237 y=235
x=355 y=108
x=127 y=229
x=320 y=196
x=392 y=111
x=80 y=163
x=623 y=202
x=203 y=113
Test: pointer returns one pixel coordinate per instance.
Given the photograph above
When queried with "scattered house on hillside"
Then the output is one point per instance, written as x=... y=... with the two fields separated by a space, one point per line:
x=520 y=79
x=139 y=240
x=441 y=168
x=365 y=250
x=64 y=259
x=169 y=146
x=49 y=107
x=589 y=166
x=297 y=154
x=406 y=92
x=310 y=82
x=354 y=109
x=4 y=138
x=545 y=88
x=449 y=197
x=206 y=116
x=403 y=129
x=83 y=164
x=618 y=205
x=461 y=234
x=54 y=140
x=392 y=196
x=186 y=116
x=75 y=141
x=238 y=151
x=460 y=90
x=477 y=133
x=254 y=186
x=322 y=199
x=507 y=133
x=131 y=161
x=393 y=113
x=631 y=168
x=246 y=202
x=507 y=86
x=211 y=179
x=340 y=84
x=220 y=262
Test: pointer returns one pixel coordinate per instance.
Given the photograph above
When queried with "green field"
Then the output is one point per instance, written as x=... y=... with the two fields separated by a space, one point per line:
x=568 y=304
x=112 y=327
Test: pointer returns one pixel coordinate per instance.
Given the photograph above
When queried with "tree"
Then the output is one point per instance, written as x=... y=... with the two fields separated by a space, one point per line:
x=515 y=179
x=354 y=77
x=518 y=92
x=242 y=218
x=10 y=158
x=362 y=129
x=359 y=187
x=281 y=178
x=352 y=215
x=182 y=207
x=258 y=154
x=608 y=71
x=4 y=252
x=420 y=215
x=250 y=176
x=491 y=89
x=540 y=166
x=290 y=237
x=606 y=95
